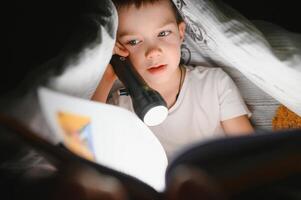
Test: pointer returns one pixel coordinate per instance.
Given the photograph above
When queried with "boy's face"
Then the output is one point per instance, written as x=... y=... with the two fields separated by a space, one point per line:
x=153 y=38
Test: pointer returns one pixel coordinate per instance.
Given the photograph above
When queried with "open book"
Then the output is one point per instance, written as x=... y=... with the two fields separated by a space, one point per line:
x=114 y=141
x=106 y=134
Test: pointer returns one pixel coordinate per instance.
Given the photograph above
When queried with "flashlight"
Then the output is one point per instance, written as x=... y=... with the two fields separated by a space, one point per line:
x=148 y=104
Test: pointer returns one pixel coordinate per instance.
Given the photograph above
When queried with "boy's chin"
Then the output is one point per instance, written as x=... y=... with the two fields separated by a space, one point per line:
x=157 y=81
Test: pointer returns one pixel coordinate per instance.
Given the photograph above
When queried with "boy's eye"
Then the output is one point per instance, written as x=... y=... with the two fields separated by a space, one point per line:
x=164 y=33
x=133 y=42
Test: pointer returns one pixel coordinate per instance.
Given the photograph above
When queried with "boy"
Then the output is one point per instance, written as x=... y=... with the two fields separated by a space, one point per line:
x=203 y=102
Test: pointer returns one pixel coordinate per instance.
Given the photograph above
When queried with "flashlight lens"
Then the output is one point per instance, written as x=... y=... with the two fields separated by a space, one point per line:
x=155 y=115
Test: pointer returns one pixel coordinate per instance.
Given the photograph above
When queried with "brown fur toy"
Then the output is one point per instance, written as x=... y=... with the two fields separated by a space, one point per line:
x=285 y=119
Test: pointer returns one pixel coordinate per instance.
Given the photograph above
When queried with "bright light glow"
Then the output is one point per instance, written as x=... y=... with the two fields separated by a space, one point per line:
x=155 y=115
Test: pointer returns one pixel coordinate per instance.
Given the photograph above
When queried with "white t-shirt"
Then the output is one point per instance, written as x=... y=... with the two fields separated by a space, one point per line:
x=207 y=97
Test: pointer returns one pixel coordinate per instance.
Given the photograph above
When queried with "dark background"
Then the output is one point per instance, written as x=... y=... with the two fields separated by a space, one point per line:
x=286 y=13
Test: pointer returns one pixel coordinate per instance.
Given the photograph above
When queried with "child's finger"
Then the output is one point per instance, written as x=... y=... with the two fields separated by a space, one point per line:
x=120 y=50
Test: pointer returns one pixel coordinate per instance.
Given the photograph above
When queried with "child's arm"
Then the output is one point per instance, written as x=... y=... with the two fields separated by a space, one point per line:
x=237 y=126
x=102 y=91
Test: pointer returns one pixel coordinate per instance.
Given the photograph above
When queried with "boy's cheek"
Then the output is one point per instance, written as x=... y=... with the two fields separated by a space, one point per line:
x=136 y=57
x=135 y=54
x=170 y=46
x=173 y=40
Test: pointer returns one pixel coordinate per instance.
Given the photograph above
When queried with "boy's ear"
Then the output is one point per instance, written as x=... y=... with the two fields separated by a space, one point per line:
x=182 y=27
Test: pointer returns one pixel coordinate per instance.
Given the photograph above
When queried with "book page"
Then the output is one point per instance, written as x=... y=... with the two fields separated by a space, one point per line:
x=107 y=134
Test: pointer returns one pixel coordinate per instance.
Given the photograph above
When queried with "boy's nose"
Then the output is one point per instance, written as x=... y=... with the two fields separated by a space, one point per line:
x=153 y=52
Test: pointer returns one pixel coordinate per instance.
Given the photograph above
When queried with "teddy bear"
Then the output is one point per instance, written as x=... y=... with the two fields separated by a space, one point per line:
x=285 y=119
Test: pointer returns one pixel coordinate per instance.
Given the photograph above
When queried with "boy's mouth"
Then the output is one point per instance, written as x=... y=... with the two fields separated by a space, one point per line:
x=156 y=68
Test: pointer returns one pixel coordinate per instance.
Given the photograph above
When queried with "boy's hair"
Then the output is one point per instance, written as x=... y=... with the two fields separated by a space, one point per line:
x=138 y=3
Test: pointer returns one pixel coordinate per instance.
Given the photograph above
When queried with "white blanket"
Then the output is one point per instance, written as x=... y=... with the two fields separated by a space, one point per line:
x=267 y=55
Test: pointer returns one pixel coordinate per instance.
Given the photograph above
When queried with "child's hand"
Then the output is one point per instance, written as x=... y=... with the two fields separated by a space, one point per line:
x=119 y=49
x=109 y=76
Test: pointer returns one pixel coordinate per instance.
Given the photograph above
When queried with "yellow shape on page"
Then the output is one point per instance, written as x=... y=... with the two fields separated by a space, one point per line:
x=77 y=133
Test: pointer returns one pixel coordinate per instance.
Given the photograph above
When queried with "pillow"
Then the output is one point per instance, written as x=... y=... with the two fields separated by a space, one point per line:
x=217 y=35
